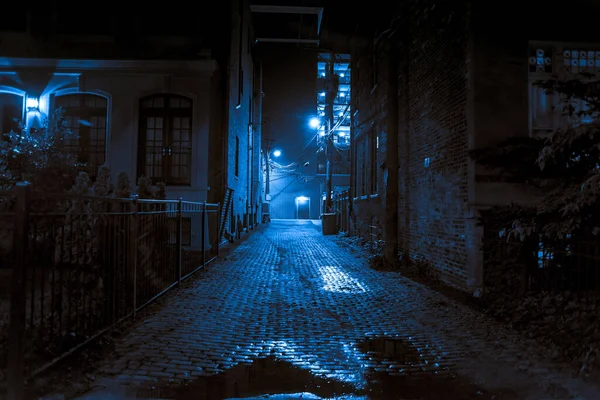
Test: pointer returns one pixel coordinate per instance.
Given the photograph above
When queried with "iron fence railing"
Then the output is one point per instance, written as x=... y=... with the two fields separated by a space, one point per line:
x=341 y=207
x=79 y=265
x=538 y=265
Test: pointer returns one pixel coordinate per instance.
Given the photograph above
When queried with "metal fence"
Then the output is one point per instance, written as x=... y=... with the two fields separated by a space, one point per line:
x=568 y=265
x=341 y=207
x=79 y=265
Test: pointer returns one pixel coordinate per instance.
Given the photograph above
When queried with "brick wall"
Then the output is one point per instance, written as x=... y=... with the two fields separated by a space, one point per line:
x=462 y=85
x=240 y=114
x=433 y=137
x=368 y=101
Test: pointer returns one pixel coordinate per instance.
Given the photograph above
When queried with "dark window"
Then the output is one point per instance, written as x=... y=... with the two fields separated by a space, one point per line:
x=165 y=139
x=366 y=164
x=237 y=156
x=86 y=116
x=11 y=112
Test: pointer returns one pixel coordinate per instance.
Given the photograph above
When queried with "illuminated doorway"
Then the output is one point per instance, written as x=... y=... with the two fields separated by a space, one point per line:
x=302 y=207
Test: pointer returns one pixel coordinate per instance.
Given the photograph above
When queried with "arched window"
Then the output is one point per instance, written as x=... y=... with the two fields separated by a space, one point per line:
x=165 y=139
x=86 y=116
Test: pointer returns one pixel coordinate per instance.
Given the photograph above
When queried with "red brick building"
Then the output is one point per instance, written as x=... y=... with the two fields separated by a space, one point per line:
x=465 y=74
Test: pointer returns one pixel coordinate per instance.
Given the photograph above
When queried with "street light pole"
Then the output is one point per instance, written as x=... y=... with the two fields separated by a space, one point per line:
x=330 y=98
x=276 y=153
x=268 y=174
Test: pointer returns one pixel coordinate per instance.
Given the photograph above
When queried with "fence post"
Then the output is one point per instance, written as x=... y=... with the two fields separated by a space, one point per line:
x=204 y=234
x=134 y=252
x=178 y=241
x=218 y=240
x=15 y=373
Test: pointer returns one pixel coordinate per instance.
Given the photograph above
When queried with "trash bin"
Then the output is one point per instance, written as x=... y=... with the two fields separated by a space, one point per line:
x=329 y=224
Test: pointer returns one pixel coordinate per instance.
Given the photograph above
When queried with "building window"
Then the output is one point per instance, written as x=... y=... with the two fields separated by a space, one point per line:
x=86 y=116
x=11 y=113
x=237 y=156
x=547 y=111
x=165 y=139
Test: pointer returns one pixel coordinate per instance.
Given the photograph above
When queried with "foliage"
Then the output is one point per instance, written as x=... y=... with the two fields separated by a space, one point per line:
x=566 y=166
x=145 y=189
x=38 y=157
x=123 y=186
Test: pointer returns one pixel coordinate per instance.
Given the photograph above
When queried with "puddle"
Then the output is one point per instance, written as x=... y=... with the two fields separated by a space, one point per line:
x=405 y=371
x=397 y=351
x=265 y=376
x=394 y=369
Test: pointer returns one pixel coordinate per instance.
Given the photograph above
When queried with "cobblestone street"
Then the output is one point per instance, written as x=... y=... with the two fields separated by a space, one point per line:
x=291 y=293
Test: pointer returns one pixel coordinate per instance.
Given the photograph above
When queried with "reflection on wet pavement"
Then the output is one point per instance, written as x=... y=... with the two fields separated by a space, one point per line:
x=291 y=311
x=271 y=378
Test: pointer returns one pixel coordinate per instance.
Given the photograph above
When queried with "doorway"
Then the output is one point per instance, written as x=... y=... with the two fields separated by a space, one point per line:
x=302 y=207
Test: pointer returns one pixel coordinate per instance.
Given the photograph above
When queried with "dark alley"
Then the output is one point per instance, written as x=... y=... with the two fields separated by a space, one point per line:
x=285 y=199
x=309 y=314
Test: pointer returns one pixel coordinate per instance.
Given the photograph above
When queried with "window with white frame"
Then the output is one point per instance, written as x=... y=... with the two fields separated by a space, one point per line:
x=165 y=139
x=86 y=117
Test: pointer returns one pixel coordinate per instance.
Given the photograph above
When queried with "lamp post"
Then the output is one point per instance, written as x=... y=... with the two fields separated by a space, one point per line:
x=331 y=93
x=276 y=153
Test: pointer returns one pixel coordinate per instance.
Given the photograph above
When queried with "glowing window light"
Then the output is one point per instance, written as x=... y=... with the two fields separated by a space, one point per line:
x=342 y=94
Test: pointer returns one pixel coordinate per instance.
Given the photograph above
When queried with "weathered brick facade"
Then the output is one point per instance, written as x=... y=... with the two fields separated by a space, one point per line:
x=433 y=140
x=462 y=84
x=241 y=128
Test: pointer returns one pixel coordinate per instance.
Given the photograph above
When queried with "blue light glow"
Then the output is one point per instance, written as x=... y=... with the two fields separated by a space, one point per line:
x=32 y=102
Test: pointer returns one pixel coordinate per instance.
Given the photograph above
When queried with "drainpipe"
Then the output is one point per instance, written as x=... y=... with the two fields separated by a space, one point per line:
x=390 y=251
x=248 y=169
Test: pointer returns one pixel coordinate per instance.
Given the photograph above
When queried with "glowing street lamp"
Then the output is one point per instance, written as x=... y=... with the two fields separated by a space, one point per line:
x=276 y=153
x=314 y=123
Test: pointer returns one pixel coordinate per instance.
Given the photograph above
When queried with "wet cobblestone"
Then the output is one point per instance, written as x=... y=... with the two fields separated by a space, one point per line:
x=289 y=292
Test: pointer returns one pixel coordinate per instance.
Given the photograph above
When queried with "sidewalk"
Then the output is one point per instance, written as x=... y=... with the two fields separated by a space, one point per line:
x=290 y=293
